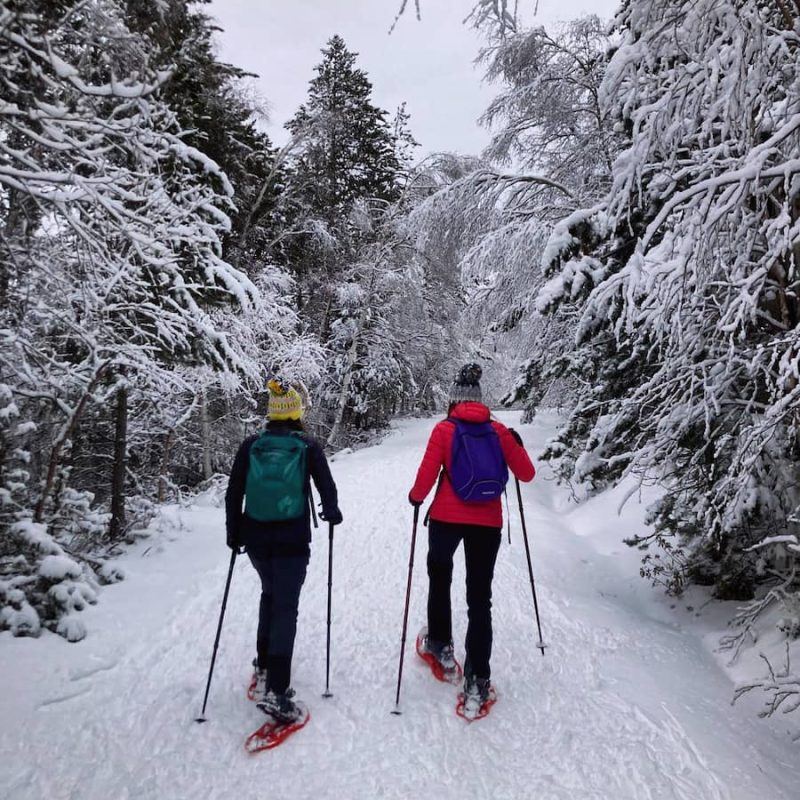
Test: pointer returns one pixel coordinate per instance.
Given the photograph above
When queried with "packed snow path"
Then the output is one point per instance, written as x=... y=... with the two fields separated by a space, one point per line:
x=623 y=706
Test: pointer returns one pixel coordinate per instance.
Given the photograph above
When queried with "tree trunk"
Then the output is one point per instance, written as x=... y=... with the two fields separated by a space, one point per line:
x=117 y=527
x=61 y=440
x=205 y=434
x=344 y=394
x=787 y=14
x=163 y=480
x=165 y=456
x=280 y=157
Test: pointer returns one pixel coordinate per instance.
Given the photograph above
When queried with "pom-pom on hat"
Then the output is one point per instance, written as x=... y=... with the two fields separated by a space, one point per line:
x=467 y=385
x=284 y=401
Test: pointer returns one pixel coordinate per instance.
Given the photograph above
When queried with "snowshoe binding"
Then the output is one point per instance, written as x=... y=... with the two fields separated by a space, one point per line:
x=281 y=707
x=272 y=732
x=257 y=689
x=476 y=700
x=286 y=716
x=439 y=656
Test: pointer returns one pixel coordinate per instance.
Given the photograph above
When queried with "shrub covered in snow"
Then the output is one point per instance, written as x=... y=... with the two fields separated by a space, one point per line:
x=45 y=584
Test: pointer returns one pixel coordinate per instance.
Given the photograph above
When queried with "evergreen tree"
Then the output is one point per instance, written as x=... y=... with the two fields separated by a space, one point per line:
x=216 y=116
x=115 y=300
x=344 y=179
x=345 y=154
x=684 y=278
x=348 y=148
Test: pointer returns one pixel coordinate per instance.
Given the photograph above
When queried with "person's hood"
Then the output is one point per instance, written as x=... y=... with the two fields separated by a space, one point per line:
x=471 y=411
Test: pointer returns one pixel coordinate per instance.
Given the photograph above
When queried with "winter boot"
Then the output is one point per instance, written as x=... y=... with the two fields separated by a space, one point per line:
x=477 y=690
x=259 y=683
x=439 y=656
x=281 y=707
x=442 y=652
x=477 y=698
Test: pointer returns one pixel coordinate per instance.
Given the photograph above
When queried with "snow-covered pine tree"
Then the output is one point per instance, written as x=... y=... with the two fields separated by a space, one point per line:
x=216 y=109
x=218 y=114
x=370 y=370
x=345 y=176
x=112 y=270
x=348 y=151
x=685 y=277
x=345 y=154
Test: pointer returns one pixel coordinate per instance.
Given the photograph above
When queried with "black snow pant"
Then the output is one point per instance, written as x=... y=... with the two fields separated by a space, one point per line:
x=481 y=544
x=282 y=579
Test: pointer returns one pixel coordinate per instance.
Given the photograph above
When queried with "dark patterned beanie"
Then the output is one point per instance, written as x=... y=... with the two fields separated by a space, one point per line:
x=467 y=385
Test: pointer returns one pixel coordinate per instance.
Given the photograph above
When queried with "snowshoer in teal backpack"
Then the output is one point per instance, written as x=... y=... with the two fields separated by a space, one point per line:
x=270 y=476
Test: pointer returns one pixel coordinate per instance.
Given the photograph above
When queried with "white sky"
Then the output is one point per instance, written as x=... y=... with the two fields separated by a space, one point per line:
x=429 y=63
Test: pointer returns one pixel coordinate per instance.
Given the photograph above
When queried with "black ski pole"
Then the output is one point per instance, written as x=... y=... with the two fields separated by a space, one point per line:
x=311 y=506
x=508 y=515
x=405 y=613
x=541 y=645
x=234 y=553
x=327 y=692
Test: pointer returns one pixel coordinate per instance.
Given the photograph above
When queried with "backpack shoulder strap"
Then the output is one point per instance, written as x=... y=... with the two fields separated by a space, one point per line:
x=442 y=476
x=259 y=438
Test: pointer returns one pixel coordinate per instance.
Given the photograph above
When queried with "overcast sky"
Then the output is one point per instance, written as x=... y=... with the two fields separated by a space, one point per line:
x=427 y=63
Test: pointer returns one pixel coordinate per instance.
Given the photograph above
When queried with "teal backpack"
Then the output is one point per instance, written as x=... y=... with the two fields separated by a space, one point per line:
x=276 y=478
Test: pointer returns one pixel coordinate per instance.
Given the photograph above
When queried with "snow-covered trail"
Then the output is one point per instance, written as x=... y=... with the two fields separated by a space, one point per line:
x=624 y=705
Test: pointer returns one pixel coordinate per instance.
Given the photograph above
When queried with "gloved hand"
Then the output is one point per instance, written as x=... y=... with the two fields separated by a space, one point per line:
x=516 y=436
x=334 y=517
x=415 y=503
x=232 y=539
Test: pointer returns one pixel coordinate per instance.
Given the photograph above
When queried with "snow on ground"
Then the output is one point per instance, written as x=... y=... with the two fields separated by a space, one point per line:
x=625 y=705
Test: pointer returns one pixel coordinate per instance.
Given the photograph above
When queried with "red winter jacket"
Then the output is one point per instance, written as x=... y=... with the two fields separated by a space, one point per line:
x=447 y=505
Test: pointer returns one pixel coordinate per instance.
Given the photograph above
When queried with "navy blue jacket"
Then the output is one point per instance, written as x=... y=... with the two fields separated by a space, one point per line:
x=288 y=537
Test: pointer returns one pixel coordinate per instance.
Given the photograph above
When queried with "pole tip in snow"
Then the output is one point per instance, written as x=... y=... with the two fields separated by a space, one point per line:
x=541 y=645
x=326 y=694
x=200 y=719
x=397 y=712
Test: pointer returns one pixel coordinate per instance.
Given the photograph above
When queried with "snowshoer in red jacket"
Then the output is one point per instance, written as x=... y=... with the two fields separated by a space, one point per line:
x=477 y=523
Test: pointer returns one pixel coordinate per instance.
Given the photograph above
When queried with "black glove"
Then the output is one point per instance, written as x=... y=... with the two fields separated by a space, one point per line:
x=516 y=436
x=334 y=517
x=415 y=503
x=232 y=539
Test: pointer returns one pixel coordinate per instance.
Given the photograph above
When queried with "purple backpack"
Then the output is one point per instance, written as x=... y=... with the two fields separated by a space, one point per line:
x=478 y=470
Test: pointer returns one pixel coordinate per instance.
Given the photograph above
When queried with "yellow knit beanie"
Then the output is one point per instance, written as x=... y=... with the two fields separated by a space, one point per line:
x=284 y=401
